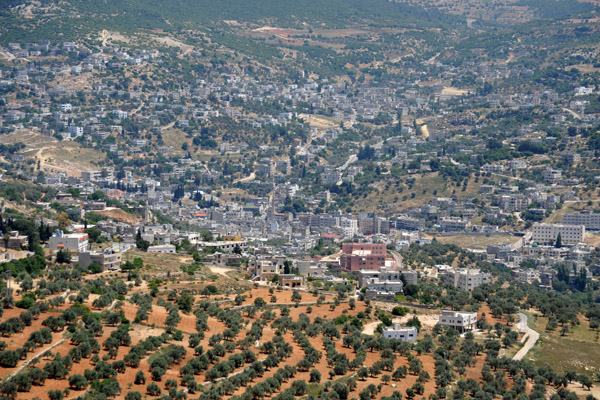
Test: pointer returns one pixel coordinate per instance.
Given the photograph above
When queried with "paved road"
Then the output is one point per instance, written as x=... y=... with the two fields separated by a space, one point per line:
x=573 y=113
x=530 y=335
x=397 y=258
x=353 y=158
x=522 y=240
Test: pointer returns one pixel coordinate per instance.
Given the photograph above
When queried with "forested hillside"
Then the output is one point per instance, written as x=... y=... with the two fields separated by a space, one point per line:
x=88 y=16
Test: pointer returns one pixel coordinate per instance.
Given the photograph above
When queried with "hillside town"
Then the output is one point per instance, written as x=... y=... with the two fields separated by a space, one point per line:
x=293 y=219
x=391 y=201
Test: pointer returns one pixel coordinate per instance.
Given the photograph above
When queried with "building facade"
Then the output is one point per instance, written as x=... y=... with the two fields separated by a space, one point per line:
x=405 y=333
x=376 y=279
x=72 y=241
x=461 y=321
x=548 y=233
x=589 y=219
x=357 y=256
x=466 y=279
x=109 y=261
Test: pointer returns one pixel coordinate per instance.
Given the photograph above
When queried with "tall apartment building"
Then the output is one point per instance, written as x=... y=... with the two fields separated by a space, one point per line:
x=589 y=219
x=552 y=175
x=370 y=225
x=404 y=222
x=349 y=226
x=357 y=256
x=547 y=233
x=466 y=278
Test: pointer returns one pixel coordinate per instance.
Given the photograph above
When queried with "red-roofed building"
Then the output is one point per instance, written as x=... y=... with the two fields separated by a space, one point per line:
x=200 y=216
x=331 y=237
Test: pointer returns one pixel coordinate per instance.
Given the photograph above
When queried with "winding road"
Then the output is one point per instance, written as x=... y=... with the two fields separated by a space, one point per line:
x=530 y=335
x=397 y=258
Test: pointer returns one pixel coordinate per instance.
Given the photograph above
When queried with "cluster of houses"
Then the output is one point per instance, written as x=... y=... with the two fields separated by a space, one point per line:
x=128 y=124
x=460 y=321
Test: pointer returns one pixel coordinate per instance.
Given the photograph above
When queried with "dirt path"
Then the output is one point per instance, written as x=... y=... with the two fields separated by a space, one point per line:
x=511 y=57
x=424 y=131
x=67 y=167
x=369 y=329
x=221 y=270
x=37 y=356
x=232 y=374
x=137 y=109
x=112 y=305
x=169 y=125
x=248 y=178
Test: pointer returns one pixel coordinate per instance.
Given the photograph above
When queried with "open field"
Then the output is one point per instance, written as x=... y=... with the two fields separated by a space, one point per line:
x=569 y=352
x=52 y=155
x=570 y=207
x=476 y=242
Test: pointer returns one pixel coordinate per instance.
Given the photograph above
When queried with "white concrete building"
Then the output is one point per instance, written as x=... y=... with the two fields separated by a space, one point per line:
x=163 y=248
x=547 y=234
x=311 y=268
x=466 y=279
x=376 y=279
x=108 y=260
x=75 y=131
x=349 y=226
x=71 y=242
x=589 y=219
x=405 y=333
x=120 y=114
x=453 y=224
x=552 y=175
x=459 y=320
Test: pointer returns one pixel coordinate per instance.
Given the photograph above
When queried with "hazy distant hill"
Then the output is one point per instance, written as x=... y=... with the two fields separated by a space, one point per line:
x=24 y=20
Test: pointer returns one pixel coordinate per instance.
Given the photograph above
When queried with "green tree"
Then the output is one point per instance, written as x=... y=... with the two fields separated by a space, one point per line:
x=63 y=257
x=585 y=381
x=78 y=382
x=55 y=395
x=139 y=379
x=315 y=376
x=153 y=389
x=133 y=396
x=185 y=301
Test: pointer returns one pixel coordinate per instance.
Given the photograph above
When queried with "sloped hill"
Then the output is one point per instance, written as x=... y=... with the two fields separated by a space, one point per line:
x=76 y=17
